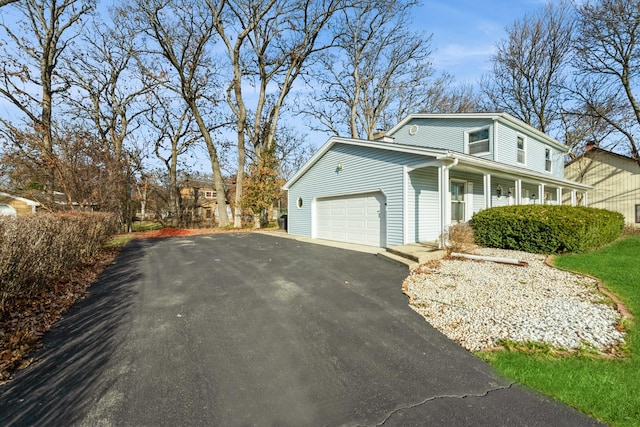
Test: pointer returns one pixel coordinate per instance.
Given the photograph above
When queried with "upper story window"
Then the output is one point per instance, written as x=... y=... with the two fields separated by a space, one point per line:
x=478 y=141
x=209 y=194
x=521 y=149
x=547 y=159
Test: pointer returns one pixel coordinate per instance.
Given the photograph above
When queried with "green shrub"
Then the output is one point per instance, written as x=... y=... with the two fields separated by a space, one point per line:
x=546 y=228
x=37 y=250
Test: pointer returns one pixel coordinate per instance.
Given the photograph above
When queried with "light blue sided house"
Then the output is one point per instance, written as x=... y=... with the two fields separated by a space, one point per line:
x=428 y=172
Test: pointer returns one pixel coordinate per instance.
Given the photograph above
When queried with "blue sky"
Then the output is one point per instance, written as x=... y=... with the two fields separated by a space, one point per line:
x=464 y=34
x=465 y=31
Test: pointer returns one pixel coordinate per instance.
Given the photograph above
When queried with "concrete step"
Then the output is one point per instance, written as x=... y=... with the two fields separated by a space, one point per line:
x=398 y=259
x=416 y=252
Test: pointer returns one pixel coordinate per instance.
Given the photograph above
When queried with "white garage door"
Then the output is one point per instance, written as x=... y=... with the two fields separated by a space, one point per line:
x=354 y=219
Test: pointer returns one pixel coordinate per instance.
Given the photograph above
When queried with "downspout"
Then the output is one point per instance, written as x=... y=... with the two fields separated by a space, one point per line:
x=445 y=199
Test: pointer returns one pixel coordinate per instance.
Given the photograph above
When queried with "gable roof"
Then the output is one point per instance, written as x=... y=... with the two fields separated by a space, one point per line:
x=437 y=153
x=363 y=143
x=501 y=117
x=594 y=149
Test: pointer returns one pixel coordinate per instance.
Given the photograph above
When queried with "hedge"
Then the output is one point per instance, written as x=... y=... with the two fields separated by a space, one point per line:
x=37 y=250
x=546 y=228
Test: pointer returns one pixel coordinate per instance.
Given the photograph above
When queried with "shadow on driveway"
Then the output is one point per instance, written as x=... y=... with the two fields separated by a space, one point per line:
x=246 y=329
x=76 y=351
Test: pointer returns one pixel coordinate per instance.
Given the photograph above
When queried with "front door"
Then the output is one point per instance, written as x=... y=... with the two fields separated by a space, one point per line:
x=458 y=206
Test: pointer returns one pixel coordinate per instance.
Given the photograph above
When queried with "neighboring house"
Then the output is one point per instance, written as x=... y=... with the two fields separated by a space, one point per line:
x=615 y=178
x=426 y=173
x=199 y=200
x=16 y=206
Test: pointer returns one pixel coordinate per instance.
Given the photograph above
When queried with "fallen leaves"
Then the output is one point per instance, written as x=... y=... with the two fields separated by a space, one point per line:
x=24 y=322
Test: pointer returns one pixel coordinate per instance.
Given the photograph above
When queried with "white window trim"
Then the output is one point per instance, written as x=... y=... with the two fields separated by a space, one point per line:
x=524 y=148
x=550 y=170
x=468 y=198
x=466 y=140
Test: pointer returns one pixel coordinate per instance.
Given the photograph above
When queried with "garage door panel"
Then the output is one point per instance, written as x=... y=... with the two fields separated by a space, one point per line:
x=354 y=219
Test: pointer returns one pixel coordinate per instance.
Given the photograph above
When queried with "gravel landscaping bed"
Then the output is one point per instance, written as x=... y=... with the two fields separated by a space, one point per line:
x=479 y=303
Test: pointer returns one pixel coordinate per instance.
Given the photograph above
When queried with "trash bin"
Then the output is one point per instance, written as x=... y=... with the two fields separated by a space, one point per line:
x=282 y=222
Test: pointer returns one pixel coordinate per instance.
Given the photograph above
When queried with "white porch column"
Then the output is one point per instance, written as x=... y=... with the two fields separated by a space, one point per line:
x=585 y=201
x=405 y=204
x=573 y=198
x=559 y=195
x=487 y=190
x=518 y=191
x=445 y=200
x=541 y=193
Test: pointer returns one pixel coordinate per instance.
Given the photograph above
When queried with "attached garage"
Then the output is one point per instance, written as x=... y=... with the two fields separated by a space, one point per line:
x=356 y=218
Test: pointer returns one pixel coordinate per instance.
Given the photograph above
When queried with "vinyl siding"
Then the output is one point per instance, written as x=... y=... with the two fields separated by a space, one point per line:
x=616 y=180
x=442 y=133
x=536 y=159
x=423 y=205
x=364 y=170
x=506 y=184
x=507 y=151
x=529 y=190
x=477 y=196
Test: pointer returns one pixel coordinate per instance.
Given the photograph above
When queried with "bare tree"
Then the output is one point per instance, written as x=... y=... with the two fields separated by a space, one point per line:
x=108 y=96
x=80 y=168
x=607 y=66
x=268 y=43
x=180 y=35
x=529 y=67
x=379 y=71
x=292 y=150
x=174 y=136
x=30 y=77
x=7 y=2
x=580 y=126
x=443 y=95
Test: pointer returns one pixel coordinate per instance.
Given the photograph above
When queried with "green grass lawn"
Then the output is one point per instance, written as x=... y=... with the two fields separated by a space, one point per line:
x=146 y=226
x=608 y=390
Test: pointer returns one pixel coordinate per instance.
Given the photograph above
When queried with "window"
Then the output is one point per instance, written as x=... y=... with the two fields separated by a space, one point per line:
x=479 y=141
x=638 y=214
x=520 y=144
x=209 y=194
x=457 y=201
x=547 y=160
x=299 y=203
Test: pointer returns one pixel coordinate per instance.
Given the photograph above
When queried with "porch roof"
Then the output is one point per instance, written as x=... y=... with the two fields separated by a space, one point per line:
x=496 y=168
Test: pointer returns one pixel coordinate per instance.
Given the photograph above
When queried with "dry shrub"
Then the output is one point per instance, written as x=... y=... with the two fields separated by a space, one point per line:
x=631 y=230
x=37 y=250
x=460 y=239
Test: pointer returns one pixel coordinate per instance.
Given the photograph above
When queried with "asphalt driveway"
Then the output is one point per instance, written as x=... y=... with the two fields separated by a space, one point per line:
x=253 y=329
